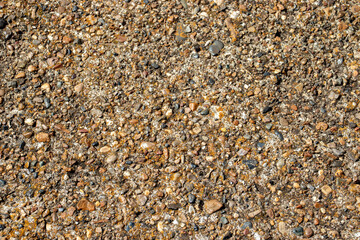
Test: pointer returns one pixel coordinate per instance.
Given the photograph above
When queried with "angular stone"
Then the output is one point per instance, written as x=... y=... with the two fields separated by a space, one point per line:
x=321 y=126
x=212 y=206
x=20 y=75
x=42 y=137
x=67 y=39
x=174 y=206
x=142 y=199
x=326 y=189
x=85 y=205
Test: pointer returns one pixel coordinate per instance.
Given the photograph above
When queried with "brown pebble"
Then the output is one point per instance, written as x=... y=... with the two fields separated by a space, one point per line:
x=85 y=205
x=42 y=137
x=193 y=106
x=20 y=75
x=316 y=221
x=308 y=232
x=67 y=39
x=212 y=206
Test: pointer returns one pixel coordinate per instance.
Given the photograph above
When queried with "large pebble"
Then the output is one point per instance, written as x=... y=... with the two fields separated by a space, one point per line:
x=42 y=137
x=212 y=206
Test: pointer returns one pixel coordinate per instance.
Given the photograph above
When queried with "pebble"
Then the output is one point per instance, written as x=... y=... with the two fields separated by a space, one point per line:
x=326 y=189
x=42 y=137
x=111 y=158
x=308 y=232
x=205 y=112
x=251 y=164
x=192 y=198
x=212 y=206
x=299 y=231
x=224 y=220
x=85 y=205
x=267 y=109
x=2 y=183
x=142 y=200
x=47 y=102
x=247 y=225
x=279 y=135
x=214 y=50
x=282 y=228
x=3 y=23
x=174 y=206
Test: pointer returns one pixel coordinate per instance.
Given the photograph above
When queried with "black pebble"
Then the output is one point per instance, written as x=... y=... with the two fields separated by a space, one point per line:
x=2 y=183
x=267 y=109
x=279 y=135
x=3 y=23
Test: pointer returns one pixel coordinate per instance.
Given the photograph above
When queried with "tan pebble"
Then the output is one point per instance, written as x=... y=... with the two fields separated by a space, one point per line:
x=42 y=137
x=284 y=122
x=308 y=232
x=105 y=149
x=85 y=205
x=168 y=113
x=296 y=185
x=78 y=88
x=144 y=177
x=193 y=106
x=212 y=206
x=321 y=126
x=219 y=2
x=270 y=213
x=111 y=159
x=67 y=39
x=48 y=227
x=142 y=200
x=88 y=233
x=27 y=134
x=71 y=211
x=147 y=145
x=242 y=8
x=29 y=121
x=253 y=214
x=299 y=87
x=326 y=189
x=252 y=29
x=20 y=75
x=282 y=228
x=98 y=230
x=91 y=20
x=160 y=227
x=32 y=68
x=2 y=92
x=46 y=87
x=354 y=188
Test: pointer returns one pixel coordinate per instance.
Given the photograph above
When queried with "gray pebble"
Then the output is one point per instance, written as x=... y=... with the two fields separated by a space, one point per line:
x=47 y=102
x=192 y=198
x=214 y=50
x=299 y=231
x=205 y=112
x=279 y=135
x=224 y=220
x=247 y=225
x=219 y=44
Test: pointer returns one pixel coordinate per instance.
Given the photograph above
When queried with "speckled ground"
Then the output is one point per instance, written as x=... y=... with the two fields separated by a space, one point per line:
x=188 y=119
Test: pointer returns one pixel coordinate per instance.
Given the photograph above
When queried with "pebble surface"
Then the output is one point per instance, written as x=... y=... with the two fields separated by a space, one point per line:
x=189 y=119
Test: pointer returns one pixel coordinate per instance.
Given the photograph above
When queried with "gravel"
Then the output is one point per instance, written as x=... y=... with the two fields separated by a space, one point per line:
x=179 y=119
